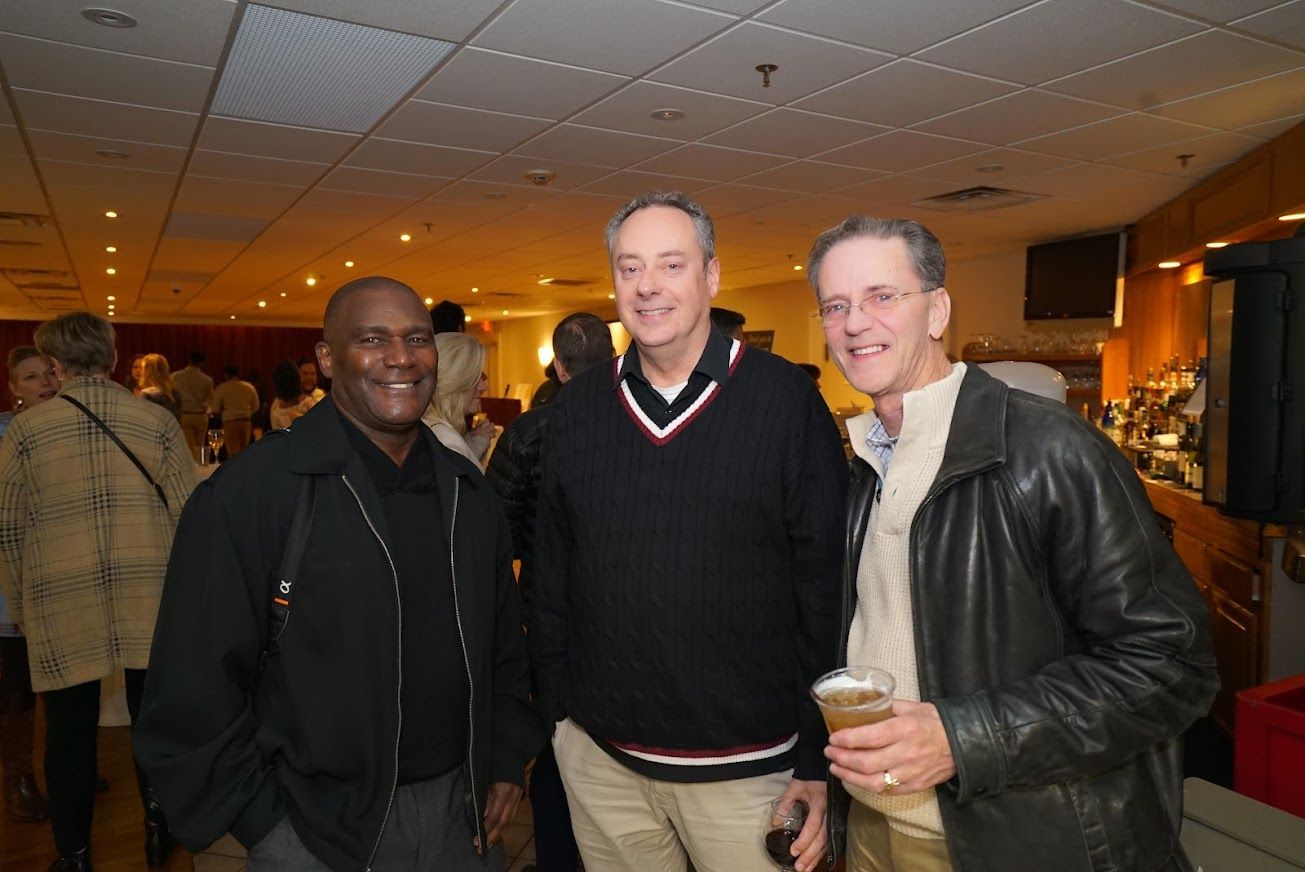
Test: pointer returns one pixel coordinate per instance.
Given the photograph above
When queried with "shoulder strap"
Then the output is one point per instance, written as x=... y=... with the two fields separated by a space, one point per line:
x=125 y=450
x=296 y=542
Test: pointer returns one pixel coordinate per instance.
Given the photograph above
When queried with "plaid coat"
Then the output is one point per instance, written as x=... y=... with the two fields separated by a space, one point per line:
x=84 y=539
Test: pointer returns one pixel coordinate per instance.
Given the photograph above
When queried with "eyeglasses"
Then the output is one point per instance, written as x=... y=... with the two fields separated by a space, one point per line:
x=836 y=312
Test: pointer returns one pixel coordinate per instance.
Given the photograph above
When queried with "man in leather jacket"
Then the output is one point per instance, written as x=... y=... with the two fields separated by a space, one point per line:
x=1004 y=563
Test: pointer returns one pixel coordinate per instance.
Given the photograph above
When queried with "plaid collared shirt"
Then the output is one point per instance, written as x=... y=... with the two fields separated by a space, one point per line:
x=881 y=443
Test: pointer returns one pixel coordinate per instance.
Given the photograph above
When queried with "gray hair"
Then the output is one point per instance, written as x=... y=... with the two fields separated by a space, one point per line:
x=702 y=225
x=582 y=341
x=82 y=343
x=923 y=248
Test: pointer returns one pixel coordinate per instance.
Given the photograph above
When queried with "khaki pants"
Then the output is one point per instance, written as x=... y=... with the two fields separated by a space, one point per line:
x=624 y=822
x=874 y=846
x=237 y=435
x=194 y=425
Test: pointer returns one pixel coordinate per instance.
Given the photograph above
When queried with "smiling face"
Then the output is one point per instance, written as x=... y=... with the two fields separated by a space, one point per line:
x=33 y=381
x=380 y=355
x=663 y=288
x=883 y=354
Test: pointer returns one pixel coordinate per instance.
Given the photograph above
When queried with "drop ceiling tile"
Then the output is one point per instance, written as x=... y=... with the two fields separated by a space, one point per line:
x=738 y=7
x=728 y=199
x=1254 y=102
x=192 y=31
x=404 y=185
x=21 y=192
x=493 y=199
x=1272 y=129
x=1114 y=136
x=82 y=149
x=874 y=196
x=595 y=146
x=410 y=157
x=1093 y=182
x=221 y=165
x=1014 y=164
x=120 y=180
x=10 y=142
x=700 y=161
x=1201 y=63
x=347 y=209
x=1059 y=37
x=448 y=21
x=1219 y=10
x=727 y=64
x=810 y=177
x=511 y=170
x=900 y=151
x=492 y=80
x=6 y=115
x=201 y=225
x=199 y=194
x=237 y=136
x=598 y=33
x=908 y=28
x=1285 y=23
x=630 y=110
x=1205 y=154
x=44 y=111
x=629 y=183
x=436 y=124
x=793 y=133
x=1017 y=116
x=904 y=92
x=102 y=75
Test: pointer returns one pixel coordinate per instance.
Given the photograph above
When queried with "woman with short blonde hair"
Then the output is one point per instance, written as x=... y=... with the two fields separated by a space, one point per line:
x=459 y=383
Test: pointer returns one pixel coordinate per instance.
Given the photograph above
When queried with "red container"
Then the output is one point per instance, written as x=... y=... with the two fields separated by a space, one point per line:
x=1269 y=744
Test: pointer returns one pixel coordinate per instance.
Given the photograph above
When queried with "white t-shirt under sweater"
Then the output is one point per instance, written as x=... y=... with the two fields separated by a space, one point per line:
x=883 y=628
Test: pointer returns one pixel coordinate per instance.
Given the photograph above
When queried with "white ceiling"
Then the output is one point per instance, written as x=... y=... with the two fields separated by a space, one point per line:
x=874 y=106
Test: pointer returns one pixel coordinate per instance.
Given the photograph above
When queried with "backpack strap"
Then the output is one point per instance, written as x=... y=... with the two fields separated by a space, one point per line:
x=125 y=450
x=296 y=542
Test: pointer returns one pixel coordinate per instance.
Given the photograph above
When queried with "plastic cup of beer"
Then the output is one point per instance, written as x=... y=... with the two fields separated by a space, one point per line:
x=854 y=696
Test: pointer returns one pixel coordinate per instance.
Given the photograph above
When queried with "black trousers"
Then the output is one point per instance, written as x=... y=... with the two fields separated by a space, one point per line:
x=72 y=720
x=15 y=677
x=555 y=848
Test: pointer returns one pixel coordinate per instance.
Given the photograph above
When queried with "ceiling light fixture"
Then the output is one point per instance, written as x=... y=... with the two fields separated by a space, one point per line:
x=262 y=304
x=1292 y=216
x=111 y=298
x=113 y=153
x=112 y=313
x=111 y=249
x=111 y=271
x=475 y=290
x=466 y=318
x=405 y=237
x=349 y=264
x=546 y=281
x=611 y=296
x=310 y=281
x=1216 y=245
x=110 y=214
x=797 y=266
x=233 y=317
x=430 y=301
x=667 y=114
x=283 y=293
x=1169 y=264
x=108 y=17
x=505 y=311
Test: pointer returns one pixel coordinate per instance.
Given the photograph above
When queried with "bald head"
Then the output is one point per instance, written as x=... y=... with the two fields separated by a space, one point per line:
x=333 y=321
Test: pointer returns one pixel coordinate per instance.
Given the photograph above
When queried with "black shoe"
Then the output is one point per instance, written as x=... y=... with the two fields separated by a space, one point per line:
x=159 y=842
x=23 y=800
x=79 y=862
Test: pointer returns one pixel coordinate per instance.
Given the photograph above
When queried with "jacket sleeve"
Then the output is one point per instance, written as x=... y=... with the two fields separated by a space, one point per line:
x=196 y=733
x=178 y=476
x=815 y=484
x=511 y=481
x=518 y=732
x=1138 y=666
x=549 y=615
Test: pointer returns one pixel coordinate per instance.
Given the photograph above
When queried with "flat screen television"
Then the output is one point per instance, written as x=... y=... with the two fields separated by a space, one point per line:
x=1073 y=278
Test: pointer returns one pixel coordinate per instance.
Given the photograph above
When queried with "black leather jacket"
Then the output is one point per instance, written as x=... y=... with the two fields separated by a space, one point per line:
x=513 y=472
x=1061 y=639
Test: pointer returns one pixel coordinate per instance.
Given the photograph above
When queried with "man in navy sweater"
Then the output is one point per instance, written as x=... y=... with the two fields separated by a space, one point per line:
x=687 y=563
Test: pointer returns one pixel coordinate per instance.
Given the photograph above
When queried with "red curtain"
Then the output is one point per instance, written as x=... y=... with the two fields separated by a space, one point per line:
x=252 y=349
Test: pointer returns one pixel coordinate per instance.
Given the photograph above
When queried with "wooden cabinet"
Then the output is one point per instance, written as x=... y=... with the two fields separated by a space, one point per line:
x=1235 y=631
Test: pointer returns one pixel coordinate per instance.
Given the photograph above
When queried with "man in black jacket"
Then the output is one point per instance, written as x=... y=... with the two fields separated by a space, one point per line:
x=386 y=725
x=581 y=341
x=1004 y=563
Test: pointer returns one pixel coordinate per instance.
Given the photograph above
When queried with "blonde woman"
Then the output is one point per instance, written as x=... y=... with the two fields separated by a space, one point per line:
x=460 y=382
x=156 y=384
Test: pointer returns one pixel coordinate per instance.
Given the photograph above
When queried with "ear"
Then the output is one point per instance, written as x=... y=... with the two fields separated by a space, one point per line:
x=713 y=277
x=940 y=313
x=562 y=375
x=324 y=361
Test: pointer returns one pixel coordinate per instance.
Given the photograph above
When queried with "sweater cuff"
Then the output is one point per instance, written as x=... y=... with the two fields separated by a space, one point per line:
x=262 y=814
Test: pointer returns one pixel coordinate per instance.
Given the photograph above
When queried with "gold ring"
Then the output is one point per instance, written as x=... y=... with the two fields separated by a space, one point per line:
x=890 y=783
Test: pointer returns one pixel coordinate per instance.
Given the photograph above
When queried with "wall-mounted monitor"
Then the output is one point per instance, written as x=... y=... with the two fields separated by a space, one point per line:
x=1073 y=278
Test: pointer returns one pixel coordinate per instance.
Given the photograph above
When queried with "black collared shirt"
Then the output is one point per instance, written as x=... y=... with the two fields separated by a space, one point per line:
x=712 y=366
x=434 y=693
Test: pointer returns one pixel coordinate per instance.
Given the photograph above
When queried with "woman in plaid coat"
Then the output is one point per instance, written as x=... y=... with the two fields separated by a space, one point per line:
x=84 y=542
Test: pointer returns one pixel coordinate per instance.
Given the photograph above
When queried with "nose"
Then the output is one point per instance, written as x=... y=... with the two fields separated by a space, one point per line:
x=398 y=353
x=857 y=319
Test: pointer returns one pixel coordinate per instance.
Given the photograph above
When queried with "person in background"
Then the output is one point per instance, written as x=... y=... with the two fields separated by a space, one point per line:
x=290 y=401
x=31 y=382
x=132 y=382
x=580 y=342
x=458 y=389
x=728 y=322
x=84 y=540
x=448 y=317
x=195 y=388
x=158 y=386
x=1005 y=566
x=812 y=370
x=308 y=381
x=546 y=391
x=235 y=400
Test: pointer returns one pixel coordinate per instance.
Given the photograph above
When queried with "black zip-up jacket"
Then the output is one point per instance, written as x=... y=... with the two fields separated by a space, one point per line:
x=514 y=473
x=317 y=736
x=1061 y=639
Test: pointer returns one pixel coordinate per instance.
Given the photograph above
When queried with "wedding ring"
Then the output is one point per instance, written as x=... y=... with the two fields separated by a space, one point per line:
x=890 y=783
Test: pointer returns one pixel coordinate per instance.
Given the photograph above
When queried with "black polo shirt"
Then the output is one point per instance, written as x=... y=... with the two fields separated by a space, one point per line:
x=712 y=366
x=434 y=694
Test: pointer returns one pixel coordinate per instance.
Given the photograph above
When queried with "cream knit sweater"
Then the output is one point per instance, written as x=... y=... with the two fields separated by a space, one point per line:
x=883 y=629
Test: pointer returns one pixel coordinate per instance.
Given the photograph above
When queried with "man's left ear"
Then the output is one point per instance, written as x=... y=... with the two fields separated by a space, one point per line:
x=940 y=313
x=713 y=277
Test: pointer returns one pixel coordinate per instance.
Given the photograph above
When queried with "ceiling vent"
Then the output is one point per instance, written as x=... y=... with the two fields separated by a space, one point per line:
x=978 y=199
x=41 y=278
x=570 y=283
x=18 y=243
x=61 y=302
x=24 y=219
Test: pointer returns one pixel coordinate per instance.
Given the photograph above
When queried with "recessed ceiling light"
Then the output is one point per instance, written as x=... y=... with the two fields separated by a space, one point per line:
x=349 y=263
x=1169 y=264
x=405 y=237
x=262 y=304
x=113 y=305
x=112 y=313
x=1216 y=245
x=797 y=266
x=283 y=293
x=990 y=168
x=113 y=153
x=111 y=271
x=310 y=281
x=667 y=114
x=111 y=298
x=466 y=318
x=505 y=311
x=1292 y=216
x=546 y=281
x=611 y=296
x=108 y=17
x=430 y=301
x=233 y=317
x=475 y=290
x=111 y=248
x=111 y=214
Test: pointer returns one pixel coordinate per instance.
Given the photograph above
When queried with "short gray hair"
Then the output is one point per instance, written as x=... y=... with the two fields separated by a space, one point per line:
x=923 y=248
x=702 y=226
x=82 y=343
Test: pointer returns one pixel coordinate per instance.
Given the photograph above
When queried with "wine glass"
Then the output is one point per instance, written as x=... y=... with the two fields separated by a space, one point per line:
x=785 y=818
x=216 y=439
